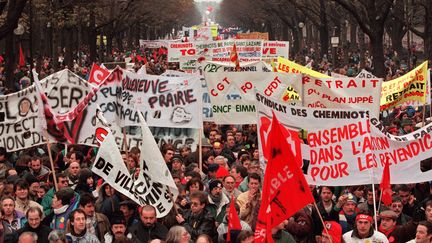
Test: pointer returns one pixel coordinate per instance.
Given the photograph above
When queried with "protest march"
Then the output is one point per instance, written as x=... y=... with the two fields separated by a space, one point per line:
x=216 y=121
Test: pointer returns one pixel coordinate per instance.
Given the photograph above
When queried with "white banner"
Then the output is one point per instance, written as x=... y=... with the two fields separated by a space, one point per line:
x=340 y=93
x=144 y=190
x=232 y=93
x=275 y=49
x=345 y=147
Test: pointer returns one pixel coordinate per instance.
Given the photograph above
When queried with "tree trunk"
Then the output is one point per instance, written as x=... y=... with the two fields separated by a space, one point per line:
x=428 y=31
x=10 y=62
x=297 y=35
x=92 y=36
x=69 y=47
x=378 y=54
x=353 y=34
x=323 y=29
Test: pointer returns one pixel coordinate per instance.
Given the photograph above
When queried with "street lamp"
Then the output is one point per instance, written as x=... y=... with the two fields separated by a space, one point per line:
x=334 y=43
x=301 y=25
x=50 y=48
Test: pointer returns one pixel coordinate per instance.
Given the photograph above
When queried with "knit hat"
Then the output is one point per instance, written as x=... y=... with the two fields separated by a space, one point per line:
x=177 y=158
x=242 y=152
x=351 y=198
x=215 y=183
x=334 y=230
x=213 y=167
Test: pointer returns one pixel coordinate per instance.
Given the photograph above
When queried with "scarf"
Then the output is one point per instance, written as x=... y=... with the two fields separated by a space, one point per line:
x=91 y=223
x=61 y=210
x=216 y=199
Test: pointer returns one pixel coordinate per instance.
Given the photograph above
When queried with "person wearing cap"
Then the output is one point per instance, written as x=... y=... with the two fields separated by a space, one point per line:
x=332 y=233
x=423 y=233
x=118 y=230
x=128 y=208
x=364 y=231
x=348 y=204
x=218 y=149
x=393 y=232
x=218 y=201
x=176 y=165
x=211 y=175
x=406 y=127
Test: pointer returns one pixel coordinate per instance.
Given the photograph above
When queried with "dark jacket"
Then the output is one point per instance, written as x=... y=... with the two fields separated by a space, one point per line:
x=145 y=234
x=203 y=223
x=42 y=232
x=401 y=233
x=302 y=226
x=332 y=216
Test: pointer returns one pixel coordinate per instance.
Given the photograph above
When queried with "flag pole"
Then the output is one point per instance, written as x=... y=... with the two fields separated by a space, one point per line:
x=126 y=147
x=380 y=199
x=200 y=163
x=51 y=160
x=322 y=221
x=374 y=206
x=172 y=200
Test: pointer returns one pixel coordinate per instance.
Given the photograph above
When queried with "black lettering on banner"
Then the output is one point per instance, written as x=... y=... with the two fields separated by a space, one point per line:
x=177 y=98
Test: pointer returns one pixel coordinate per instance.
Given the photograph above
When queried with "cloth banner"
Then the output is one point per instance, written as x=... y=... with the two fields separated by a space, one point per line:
x=412 y=86
x=365 y=74
x=348 y=147
x=145 y=190
x=232 y=93
x=275 y=49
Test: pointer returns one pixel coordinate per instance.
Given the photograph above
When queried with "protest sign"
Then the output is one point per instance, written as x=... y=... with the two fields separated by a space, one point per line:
x=144 y=190
x=341 y=93
x=19 y=123
x=254 y=35
x=365 y=74
x=232 y=93
x=275 y=49
x=165 y=101
x=287 y=66
x=410 y=87
x=347 y=147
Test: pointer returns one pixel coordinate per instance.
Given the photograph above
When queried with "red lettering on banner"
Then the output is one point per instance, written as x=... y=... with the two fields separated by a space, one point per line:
x=335 y=135
x=326 y=172
x=369 y=162
x=326 y=154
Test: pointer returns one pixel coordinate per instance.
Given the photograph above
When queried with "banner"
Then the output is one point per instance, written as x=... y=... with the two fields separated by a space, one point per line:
x=365 y=74
x=19 y=123
x=110 y=167
x=254 y=35
x=275 y=49
x=410 y=87
x=287 y=66
x=165 y=101
x=347 y=147
x=341 y=93
x=232 y=93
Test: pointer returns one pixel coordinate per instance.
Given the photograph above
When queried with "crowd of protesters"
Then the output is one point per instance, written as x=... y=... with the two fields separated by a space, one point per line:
x=85 y=209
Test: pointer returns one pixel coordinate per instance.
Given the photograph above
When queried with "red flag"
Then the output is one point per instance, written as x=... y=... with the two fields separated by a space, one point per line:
x=385 y=186
x=285 y=190
x=145 y=59
x=98 y=74
x=161 y=51
x=234 y=58
x=21 y=57
x=233 y=219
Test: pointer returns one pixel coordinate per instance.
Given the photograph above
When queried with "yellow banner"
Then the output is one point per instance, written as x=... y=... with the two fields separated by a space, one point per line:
x=287 y=66
x=410 y=87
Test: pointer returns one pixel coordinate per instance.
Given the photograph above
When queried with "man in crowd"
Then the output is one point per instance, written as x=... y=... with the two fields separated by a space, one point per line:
x=78 y=229
x=62 y=182
x=368 y=207
x=249 y=200
x=129 y=210
x=41 y=172
x=348 y=213
x=239 y=172
x=148 y=228
x=393 y=232
x=10 y=216
x=229 y=187
x=326 y=208
x=73 y=173
x=198 y=220
x=218 y=201
x=34 y=219
x=63 y=203
x=397 y=207
x=96 y=223
x=364 y=231
x=408 y=200
x=424 y=233
x=22 y=199
x=118 y=230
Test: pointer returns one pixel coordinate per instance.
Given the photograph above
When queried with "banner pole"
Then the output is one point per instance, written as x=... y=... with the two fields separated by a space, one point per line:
x=374 y=206
x=200 y=163
x=424 y=115
x=51 y=161
x=172 y=200
x=379 y=203
x=322 y=221
x=126 y=147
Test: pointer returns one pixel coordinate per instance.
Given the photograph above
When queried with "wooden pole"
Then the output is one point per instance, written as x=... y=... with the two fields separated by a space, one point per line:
x=374 y=206
x=126 y=147
x=200 y=163
x=322 y=221
x=51 y=161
